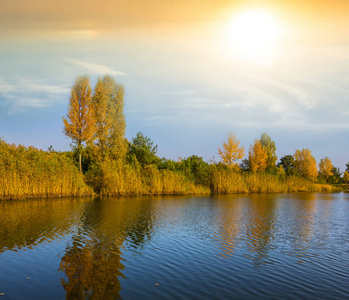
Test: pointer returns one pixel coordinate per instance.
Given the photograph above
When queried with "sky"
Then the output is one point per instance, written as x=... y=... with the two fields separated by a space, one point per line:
x=192 y=70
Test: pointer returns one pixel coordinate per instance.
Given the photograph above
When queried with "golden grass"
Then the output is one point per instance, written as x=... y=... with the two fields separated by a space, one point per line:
x=112 y=178
x=26 y=172
x=225 y=181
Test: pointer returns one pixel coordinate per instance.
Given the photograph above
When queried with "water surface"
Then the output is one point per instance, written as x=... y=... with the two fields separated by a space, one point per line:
x=289 y=246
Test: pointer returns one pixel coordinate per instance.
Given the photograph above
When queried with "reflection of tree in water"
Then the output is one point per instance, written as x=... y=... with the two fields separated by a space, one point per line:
x=251 y=217
x=260 y=226
x=93 y=261
x=92 y=271
x=302 y=225
x=32 y=222
x=230 y=216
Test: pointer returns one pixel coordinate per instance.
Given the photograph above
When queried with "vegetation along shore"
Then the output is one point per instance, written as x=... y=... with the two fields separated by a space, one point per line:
x=102 y=161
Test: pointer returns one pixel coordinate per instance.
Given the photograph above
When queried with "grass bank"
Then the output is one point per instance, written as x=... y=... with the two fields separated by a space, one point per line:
x=26 y=172
x=225 y=181
x=115 y=178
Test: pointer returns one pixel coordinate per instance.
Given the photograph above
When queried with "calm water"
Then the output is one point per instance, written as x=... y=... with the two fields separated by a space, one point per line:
x=290 y=246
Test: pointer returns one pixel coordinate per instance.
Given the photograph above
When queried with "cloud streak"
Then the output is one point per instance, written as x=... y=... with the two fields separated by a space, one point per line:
x=95 y=68
x=20 y=94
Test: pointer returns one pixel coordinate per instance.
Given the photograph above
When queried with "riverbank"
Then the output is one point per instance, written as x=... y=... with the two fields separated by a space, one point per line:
x=26 y=172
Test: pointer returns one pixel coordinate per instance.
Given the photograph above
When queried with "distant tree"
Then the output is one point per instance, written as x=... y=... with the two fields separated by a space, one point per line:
x=167 y=164
x=79 y=124
x=231 y=150
x=196 y=168
x=270 y=147
x=143 y=150
x=325 y=168
x=258 y=157
x=287 y=162
x=245 y=165
x=305 y=164
x=347 y=169
x=346 y=177
x=108 y=103
x=51 y=149
x=335 y=177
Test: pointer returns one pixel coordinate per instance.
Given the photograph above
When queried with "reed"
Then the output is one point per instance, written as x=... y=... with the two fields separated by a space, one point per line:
x=226 y=181
x=116 y=178
x=26 y=172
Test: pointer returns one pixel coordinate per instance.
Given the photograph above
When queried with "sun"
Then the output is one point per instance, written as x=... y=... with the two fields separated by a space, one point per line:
x=254 y=35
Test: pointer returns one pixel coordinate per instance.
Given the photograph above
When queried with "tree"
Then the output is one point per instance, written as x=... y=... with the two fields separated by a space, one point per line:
x=258 y=157
x=287 y=162
x=245 y=165
x=347 y=169
x=335 y=177
x=346 y=177
x=195 y=168
x=79 y=124
x=231 y=150
x=108 y=103
x=270 y=147
x=100 y=102
x=116 y=142
x=142 y=148
x=325 y=168
x=305 y=164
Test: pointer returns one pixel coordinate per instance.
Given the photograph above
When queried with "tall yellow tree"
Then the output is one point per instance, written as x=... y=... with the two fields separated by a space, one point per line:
x=79 y=124
x=270 y=147
x=325 y=168
x=258 y=157
x=231 y=150
x=108 y=103
x=100 y=102
x=305 y=164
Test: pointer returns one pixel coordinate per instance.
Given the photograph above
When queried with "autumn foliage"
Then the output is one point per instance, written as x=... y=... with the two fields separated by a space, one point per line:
x=325 y=168
x=79 y=124
x=305 y=164
x=231 y=150
x=258 y=157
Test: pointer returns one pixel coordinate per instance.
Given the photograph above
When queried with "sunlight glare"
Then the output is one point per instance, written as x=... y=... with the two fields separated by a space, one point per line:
x=254 y=34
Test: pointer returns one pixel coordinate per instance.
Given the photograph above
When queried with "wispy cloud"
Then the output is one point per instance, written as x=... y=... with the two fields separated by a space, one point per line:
x=22 y=93
x=191 y=92
x=95 y=68
x=304 y=99
x=6 y=88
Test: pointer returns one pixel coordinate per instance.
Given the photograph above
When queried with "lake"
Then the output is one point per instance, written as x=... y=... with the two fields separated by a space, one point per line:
x=280 y=246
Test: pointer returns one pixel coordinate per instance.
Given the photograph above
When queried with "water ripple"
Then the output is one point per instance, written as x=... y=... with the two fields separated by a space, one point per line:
x=222 y=247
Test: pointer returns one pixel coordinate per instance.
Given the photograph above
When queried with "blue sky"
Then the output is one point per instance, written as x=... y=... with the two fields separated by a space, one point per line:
x=186 y=86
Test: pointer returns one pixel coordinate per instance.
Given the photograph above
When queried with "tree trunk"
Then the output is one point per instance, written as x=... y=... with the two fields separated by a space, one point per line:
x=80 y=162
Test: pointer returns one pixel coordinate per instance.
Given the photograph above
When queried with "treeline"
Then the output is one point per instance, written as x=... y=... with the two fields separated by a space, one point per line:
x=103 y=161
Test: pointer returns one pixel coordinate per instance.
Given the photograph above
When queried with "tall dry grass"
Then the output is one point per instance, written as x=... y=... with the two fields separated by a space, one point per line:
x=225 y=181
x=26 y=172
x=117 y=178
